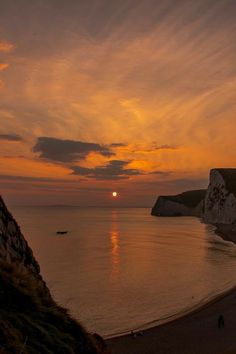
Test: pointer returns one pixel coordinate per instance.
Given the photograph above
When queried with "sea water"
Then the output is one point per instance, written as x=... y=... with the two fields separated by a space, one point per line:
x=121 y=269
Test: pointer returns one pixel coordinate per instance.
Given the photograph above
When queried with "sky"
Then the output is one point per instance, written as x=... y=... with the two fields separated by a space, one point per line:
x=132 y=96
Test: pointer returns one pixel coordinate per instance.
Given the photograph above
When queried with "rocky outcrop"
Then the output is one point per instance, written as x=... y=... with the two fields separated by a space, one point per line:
x=185 y=204
x=216 y=205
x=30 y=320
x=13 y=246
x=220 y=200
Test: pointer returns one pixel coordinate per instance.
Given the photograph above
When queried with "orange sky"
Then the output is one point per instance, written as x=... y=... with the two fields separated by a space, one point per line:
x=96 y=96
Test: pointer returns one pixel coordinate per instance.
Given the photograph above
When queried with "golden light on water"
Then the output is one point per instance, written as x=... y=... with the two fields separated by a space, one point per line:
x=114 y=194
x=115 y=247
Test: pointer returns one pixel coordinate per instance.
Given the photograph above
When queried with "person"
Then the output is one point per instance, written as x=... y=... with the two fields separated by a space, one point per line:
x=140 y=333
x=221 y=321
x=133 y=334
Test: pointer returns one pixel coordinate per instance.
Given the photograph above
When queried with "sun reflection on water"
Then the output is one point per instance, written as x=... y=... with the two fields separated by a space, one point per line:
x=115 y=247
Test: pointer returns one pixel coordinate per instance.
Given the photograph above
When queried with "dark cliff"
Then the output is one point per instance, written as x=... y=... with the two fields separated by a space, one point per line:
x=188 y=203
x=30 y=320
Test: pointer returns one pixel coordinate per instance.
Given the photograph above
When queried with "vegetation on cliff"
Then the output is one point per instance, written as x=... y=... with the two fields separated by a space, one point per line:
x=30 y=320
x=189 y=198
x=31 y=323
x=187 y=203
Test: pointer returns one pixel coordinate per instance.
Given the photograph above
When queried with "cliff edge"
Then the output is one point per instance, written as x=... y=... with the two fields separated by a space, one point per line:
x=216 y=205
x=30 y=320
x=188 y=203
x=220 y=200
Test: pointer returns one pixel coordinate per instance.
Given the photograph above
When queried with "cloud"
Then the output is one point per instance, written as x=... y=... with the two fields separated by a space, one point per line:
x=67 y=150
x=161 y=173
x=6 y=47
x=145 y=73
x=146 y=148
x=117 y=145
x=165 y=147
x=114 y=170
x=3 y=66
x=11 y=137
x=31 y=179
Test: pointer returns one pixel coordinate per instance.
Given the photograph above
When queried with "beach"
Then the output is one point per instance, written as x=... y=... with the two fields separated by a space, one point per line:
x=195 y=333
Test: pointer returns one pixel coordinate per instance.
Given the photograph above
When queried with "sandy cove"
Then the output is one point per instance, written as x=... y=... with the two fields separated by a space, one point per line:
x=194 y=333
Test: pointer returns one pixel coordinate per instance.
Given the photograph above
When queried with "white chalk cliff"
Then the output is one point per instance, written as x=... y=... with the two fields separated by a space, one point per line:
x=216 y=205
x=220 y=200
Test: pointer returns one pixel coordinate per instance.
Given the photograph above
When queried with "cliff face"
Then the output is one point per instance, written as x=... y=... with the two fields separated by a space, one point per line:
x=185 y=204
x=13 y=246
x=30 y=320
x=220 y=200
x=216 y=205
x=166 y=207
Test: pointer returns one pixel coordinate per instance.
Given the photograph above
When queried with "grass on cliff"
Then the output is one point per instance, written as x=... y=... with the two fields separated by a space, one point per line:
x=30 y=321
x=189 y=198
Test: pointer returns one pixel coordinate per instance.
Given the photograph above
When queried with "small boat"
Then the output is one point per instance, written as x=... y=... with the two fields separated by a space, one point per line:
x=62 y=232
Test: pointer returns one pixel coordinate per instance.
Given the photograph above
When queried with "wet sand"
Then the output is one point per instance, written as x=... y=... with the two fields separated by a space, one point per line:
x=195 y=333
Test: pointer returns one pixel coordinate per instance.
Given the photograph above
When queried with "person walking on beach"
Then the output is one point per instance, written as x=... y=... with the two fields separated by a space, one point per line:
x=221 y=321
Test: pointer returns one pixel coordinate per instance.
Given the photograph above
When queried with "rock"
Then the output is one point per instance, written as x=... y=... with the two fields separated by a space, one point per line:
x=30 y=320
x=189 y=203
x=216 y=205
x=226 y=231
x=220 y=200
x=14 y=248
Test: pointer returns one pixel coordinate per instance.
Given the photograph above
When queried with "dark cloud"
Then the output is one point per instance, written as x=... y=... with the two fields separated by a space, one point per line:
x=142 y=148
x=11 y=137
x=161 y=173
x=30 y=179
x=117 y=145
x=114 y=170
x=67 y=150
x=165 y=147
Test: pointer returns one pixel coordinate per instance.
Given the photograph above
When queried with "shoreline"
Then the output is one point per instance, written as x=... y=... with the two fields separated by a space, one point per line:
x=226 y=231
x=194 y=332
x=206 y=301
x=178 y=335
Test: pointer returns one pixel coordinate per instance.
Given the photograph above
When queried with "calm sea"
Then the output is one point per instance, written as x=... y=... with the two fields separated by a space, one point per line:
x=122 y=269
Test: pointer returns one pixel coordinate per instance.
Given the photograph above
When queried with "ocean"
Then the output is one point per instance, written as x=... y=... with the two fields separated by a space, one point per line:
x=122 y=269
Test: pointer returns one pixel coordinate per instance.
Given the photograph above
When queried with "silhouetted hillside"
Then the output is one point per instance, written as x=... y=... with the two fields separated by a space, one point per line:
x=188 y=203
x=189 y=198
x=30 y=321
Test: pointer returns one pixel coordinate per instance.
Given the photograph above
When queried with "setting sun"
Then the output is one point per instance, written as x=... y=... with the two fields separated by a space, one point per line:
x=137 y=96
